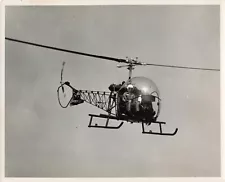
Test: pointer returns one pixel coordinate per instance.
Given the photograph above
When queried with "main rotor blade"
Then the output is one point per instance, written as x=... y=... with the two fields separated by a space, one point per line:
x=68 y=51
x=182 y=67
x=106 y=57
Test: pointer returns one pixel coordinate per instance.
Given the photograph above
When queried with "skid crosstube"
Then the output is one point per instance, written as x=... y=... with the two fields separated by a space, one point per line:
x=160 y=127
x=107 y=121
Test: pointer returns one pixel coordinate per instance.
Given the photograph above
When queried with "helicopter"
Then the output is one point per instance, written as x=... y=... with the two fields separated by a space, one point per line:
x=136 y=100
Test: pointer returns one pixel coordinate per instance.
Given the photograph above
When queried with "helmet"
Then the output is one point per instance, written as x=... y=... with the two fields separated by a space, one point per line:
x=130 y=88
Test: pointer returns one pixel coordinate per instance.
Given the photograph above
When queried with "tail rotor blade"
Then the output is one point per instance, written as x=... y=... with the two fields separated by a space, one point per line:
x=61 y=82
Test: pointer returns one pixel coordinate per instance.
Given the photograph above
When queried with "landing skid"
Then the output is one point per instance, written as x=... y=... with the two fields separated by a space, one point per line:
x=106 y=126
x=160 y=127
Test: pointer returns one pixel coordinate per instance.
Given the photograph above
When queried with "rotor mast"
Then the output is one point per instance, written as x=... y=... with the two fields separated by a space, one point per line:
x=130 y=64
x=130 y=68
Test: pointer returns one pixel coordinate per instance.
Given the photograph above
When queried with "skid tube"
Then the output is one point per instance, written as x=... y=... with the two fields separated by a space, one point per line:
x=107 y=122
x=160 y=127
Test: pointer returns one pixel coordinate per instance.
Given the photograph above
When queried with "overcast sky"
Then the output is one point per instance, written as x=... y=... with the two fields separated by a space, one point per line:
x=44 y=140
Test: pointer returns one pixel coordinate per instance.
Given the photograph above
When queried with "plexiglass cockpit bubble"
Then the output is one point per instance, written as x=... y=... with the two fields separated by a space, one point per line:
x=143 y=84
x=141 y=97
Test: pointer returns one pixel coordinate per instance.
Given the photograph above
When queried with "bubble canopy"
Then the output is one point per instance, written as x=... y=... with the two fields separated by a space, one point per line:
x=145 y=86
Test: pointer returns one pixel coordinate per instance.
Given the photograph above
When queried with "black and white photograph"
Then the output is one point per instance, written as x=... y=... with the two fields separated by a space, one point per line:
x=112 y=91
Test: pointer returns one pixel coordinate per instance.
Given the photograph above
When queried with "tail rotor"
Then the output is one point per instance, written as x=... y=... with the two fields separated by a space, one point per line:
x=61 y=81
x=64 y=91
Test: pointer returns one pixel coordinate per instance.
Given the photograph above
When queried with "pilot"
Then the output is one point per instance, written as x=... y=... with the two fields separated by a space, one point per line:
x=129 y=97
x=138 y=103
x=147 y=104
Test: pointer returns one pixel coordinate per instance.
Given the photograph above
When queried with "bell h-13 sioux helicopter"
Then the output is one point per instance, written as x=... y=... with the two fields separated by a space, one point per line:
x=136 y=100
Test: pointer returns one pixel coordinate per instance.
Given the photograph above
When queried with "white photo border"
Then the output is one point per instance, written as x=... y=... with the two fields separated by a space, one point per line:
x=5 y=3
